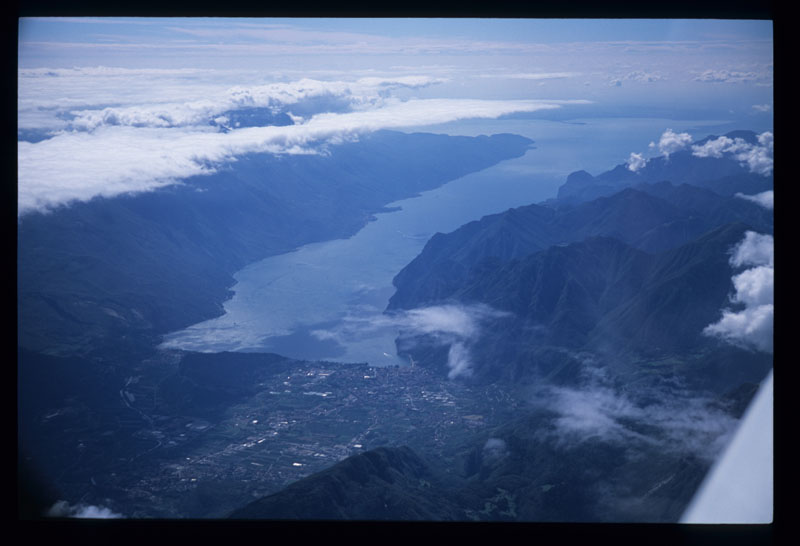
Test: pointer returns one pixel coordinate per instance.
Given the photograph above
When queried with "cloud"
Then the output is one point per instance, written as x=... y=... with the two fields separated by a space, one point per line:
x=671 y=142
x=593 y=413
x=309 y=96
x=754 y=249
x=730 y=76
x=757 y=157
x=638 y=76
x=104 y=71
x=636 y=162
x=494 y=448
x=755 y=286
x=669 y=419
x=117 y=159
x=62 y=509
x=752 y=326
x=459 y=361
x=85 y=98
x=448 y=319
x=644 y=77
x=534 y=75
x=717 y=147
x=766 y=198
x=456 y=326
x=762 y=107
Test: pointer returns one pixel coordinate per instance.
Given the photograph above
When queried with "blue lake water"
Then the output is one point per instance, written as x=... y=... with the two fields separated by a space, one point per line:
x=324 y=300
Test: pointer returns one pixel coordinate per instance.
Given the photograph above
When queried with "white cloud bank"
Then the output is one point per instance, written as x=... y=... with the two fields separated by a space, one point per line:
x=752 y=326
x=140 y=147
x=362 y=93
x=757 y=157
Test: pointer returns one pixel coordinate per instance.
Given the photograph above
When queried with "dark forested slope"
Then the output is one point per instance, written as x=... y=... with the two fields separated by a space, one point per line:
x=113 y=274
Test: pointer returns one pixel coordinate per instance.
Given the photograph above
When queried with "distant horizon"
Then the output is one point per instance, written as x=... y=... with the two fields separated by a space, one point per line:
x=117 y=104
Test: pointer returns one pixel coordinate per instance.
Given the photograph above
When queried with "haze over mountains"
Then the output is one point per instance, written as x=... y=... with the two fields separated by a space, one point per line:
x=596 y=314
x=233 y=301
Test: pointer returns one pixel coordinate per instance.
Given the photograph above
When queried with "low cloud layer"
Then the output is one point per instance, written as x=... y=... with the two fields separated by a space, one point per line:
x=534 y=75
x=668 y=419
x=638 y=76
x=305 y=96
x=494 y=449
x=456 y=326
x=752 y=325
x=63 y=509
x=138 y=147
x=732 y=76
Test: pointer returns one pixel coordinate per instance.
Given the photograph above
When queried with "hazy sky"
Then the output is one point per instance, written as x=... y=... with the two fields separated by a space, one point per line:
x=109 y=105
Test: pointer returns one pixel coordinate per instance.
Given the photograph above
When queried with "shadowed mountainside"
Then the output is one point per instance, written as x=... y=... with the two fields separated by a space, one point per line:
x=113 y=274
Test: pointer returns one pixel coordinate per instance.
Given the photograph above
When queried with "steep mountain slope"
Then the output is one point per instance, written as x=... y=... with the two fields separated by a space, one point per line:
x=113 y=274
x=605 y=298
x=382 y=484
x=683 y=292
x=631 y=277
x=650 y=217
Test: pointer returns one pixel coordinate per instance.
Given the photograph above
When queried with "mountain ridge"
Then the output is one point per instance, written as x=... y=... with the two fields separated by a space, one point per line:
x=649 y=217
x=720 y=174
x=119 y=272
x=387 y=483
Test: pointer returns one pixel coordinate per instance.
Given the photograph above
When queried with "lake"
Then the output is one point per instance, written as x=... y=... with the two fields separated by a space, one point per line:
x=324 y=301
